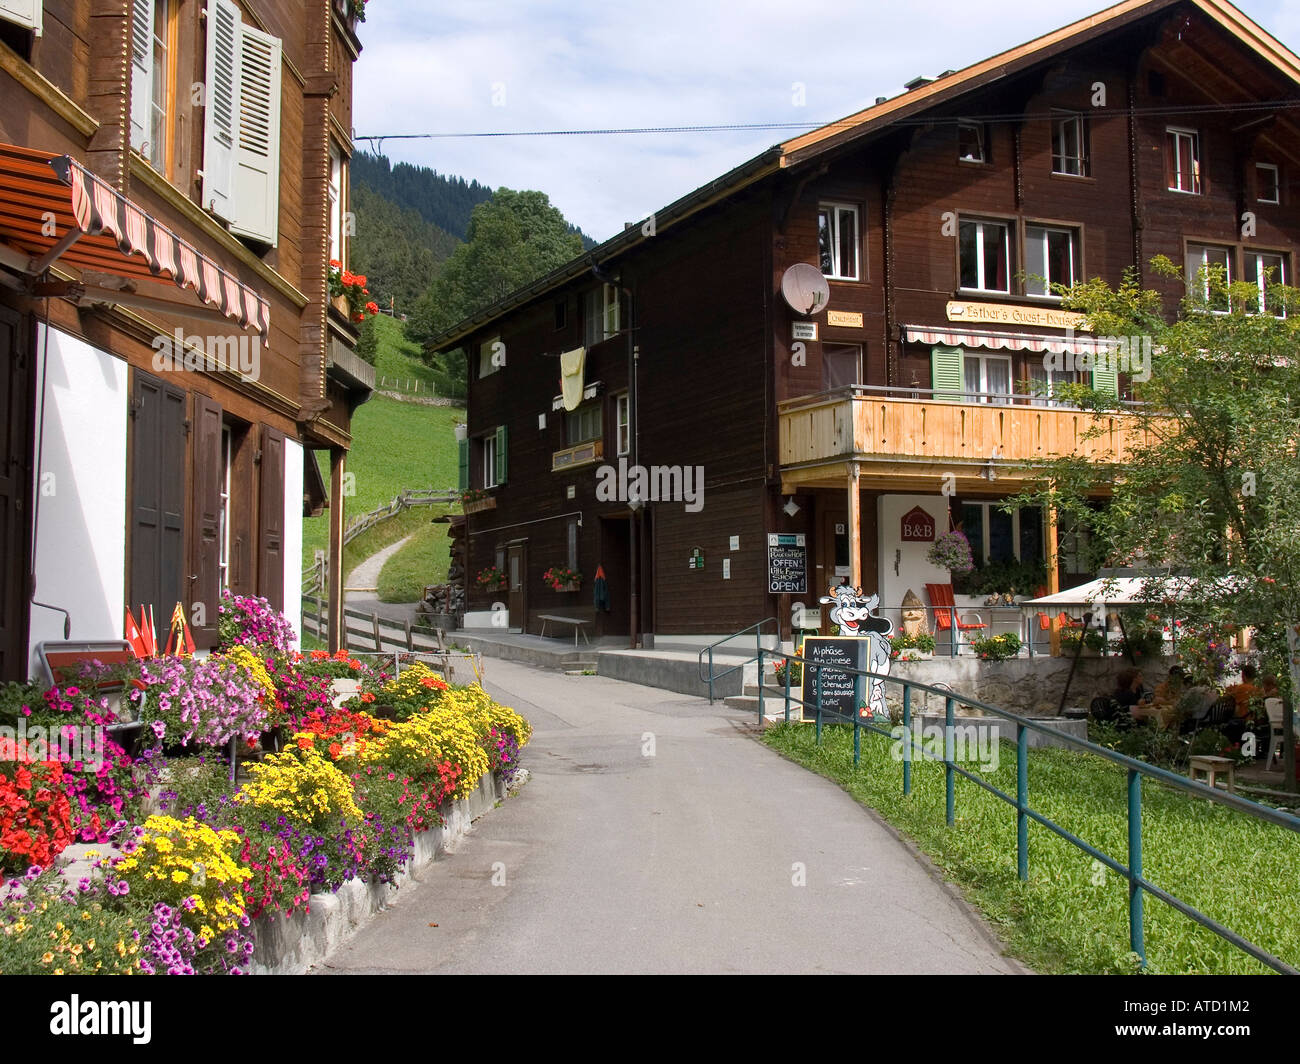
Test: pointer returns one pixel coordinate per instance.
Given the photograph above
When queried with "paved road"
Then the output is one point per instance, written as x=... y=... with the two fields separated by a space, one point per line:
x=367 y=575
x=680 y=862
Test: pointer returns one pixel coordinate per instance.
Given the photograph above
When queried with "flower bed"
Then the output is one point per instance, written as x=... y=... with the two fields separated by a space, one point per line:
x=345 y=800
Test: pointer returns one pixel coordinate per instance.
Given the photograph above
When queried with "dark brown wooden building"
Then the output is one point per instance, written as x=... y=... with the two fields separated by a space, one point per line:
x=940 y=218
x=173 y=183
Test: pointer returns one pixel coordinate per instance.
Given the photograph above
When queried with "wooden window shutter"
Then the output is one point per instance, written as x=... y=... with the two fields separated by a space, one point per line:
x=141 y=71
x=270 y=539
x=158 y=451
x=221 y=109
x=462 y=457
x=26 y=13
x=1105 y=378
x=946 y=373
x=501 y=454
x=206 y=586
x=256 y=206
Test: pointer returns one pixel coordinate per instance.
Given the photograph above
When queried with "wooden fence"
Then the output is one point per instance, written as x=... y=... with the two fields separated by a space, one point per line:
x=369 y=633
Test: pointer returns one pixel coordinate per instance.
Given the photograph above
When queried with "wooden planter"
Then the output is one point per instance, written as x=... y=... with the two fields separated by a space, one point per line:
x=570 y=587
x=490 y=503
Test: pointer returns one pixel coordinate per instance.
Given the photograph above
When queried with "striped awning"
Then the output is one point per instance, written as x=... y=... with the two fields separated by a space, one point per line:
x=53 y=208
x=1006 y=341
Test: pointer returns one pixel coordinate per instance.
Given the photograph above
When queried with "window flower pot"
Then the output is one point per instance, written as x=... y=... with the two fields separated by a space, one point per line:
x=490 y=503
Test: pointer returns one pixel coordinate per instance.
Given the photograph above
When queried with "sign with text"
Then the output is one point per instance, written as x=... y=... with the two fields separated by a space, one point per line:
x=804 y=330
x=841 y=691
x=849 y=319
x=787 y=563
x=1010 y=314
x=917 y=526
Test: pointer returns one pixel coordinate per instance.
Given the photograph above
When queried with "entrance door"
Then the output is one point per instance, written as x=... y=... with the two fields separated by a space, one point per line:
x=15 y=493
x=517 y=582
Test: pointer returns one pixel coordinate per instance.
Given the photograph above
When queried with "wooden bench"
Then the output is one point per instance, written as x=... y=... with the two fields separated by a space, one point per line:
x=577 y=623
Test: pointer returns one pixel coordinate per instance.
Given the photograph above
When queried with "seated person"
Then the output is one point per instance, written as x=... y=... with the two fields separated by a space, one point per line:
x=1131 y=694
x=1243 y=692
x=1194 y=706
x=1169 y=693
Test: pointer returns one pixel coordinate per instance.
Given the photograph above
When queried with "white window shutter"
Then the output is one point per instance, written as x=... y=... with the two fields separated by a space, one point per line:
x=221 y=108
x=26 y=13
x=257 y=148
x=141 y=72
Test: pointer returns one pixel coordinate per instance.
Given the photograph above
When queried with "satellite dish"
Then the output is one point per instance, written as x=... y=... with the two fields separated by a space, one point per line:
x=805 y=289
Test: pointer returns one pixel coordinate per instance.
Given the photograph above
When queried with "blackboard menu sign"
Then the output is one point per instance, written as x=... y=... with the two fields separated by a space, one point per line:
x=842 y=692
x=787 y=564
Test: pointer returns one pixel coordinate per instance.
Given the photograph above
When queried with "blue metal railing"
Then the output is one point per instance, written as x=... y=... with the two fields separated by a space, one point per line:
x=757 y=629
x=1130 y=869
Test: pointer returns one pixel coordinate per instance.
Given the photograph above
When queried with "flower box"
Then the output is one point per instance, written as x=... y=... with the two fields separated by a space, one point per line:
x=490 y=503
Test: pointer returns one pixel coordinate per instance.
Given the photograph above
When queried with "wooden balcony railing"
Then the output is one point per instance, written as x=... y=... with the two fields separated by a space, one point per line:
x=857 y=423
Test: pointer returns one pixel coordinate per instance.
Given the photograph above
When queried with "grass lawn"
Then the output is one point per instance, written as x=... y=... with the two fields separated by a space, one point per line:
x=424 y=559
x=1072 y=914
x=397 y=359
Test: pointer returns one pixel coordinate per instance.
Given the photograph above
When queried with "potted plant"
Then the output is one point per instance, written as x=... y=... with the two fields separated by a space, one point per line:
x=951 y=551
x=561 y=578
x=476 y=499
x=795 y=669
x=1093 y=641
x=904 y=647
x=349 y=293
x=996 y=647
x=490 y=579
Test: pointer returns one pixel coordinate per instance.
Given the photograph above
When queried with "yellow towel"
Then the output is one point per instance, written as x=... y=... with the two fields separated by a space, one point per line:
x=571 y=363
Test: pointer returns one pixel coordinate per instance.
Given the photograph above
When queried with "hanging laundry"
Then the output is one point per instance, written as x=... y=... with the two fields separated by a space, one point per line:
x=571 y=378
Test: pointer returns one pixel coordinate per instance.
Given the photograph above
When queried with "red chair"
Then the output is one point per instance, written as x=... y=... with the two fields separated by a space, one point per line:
x=945 y=613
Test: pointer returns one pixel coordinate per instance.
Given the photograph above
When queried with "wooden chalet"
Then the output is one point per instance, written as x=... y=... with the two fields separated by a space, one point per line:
x=173 y=184
x=939 y=218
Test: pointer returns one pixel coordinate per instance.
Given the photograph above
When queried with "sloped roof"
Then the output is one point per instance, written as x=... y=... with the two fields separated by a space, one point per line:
x=835 y=135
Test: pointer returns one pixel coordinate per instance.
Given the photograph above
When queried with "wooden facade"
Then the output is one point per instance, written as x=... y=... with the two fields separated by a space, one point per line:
x=211 y=459
x=939 y=223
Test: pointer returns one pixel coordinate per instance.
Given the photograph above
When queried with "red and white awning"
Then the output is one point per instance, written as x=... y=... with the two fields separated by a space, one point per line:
x=53 y=209
x=1006 y=341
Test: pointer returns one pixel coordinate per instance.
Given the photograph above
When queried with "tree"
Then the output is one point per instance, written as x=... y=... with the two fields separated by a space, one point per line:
x=1209 y=491
x=514 y=238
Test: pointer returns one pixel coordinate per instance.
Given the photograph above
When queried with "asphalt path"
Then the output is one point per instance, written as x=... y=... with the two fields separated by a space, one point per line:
x=657 y=835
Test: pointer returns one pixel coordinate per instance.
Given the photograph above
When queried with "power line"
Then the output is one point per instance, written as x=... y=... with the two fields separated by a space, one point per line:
x=1045 y=116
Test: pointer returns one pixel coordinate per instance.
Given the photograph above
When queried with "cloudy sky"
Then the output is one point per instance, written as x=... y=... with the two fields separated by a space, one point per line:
x=502 y=66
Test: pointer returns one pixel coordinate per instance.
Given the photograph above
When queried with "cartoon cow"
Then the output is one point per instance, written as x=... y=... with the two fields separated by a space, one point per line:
x=851 y=610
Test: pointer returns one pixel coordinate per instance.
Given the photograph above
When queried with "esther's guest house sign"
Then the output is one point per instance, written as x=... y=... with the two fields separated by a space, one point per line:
x=918 y=526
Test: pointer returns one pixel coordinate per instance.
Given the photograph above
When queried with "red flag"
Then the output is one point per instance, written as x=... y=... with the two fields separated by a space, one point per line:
x=179 y=640
x=134 y=635
x=149 y=632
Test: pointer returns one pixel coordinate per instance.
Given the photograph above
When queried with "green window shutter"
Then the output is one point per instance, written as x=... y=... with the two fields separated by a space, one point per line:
x=1105 y=378
x=462 y=448
x=946 y=373
x=501 y=454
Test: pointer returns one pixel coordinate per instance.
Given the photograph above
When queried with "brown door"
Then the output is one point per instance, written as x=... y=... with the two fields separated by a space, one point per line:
x=158 y=446
x=15 y=493
x=517 y=584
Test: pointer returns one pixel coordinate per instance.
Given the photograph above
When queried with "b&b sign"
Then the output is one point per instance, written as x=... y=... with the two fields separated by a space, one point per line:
x=918 y=526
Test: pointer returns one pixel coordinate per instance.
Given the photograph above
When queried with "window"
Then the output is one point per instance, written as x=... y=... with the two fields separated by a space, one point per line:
x=600 y=314
x=1070 y=145
x=623 y=422
x=338 y=205
x=1051 y=258
x=985 y=250
x=1183 y=160
x=1209 y=268
x=837 y=240
x=1265 y=269
x=1045 y=384
x=998 y=536
x=841 y=365
x=573 y=543
x=25 y=13
x=987 y=378
x=1268 y=183
x=970 y=142
x=489 y=461
x=150 y=81
x=241 y=125
x=583 y=424
x=561 y=314
x=490 y=354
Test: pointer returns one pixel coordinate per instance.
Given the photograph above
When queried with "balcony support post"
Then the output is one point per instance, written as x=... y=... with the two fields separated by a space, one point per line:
x=1053 y=577
x=855 y=526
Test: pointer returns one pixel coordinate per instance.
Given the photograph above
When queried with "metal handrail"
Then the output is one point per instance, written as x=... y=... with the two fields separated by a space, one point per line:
x=1132 y=870
x=757 y=629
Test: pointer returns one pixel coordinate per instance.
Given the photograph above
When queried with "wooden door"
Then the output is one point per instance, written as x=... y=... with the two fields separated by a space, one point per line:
x=159 y=441
x=15 y=492
x=517 y=585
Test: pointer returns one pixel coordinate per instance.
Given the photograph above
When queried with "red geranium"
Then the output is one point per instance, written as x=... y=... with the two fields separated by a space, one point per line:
x=35 y=815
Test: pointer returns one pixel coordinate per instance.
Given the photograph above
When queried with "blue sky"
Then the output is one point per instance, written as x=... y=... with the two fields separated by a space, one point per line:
x=505 y=66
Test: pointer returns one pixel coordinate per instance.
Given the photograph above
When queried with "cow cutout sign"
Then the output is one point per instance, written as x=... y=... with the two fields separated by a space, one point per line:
x=853 y=612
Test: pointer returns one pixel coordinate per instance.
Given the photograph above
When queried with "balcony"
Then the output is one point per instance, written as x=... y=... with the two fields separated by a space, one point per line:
x=907 y=435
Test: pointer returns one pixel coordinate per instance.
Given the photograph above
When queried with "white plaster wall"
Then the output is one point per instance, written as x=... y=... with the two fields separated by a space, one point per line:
x=913 y=570
x=293 y=459
x=81 y=492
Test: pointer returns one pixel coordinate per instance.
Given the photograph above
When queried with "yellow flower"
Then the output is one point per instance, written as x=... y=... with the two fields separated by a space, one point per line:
x=48 y=958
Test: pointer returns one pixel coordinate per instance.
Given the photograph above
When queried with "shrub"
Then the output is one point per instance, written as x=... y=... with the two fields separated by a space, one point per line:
x=439 y=749
x=300 y=785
